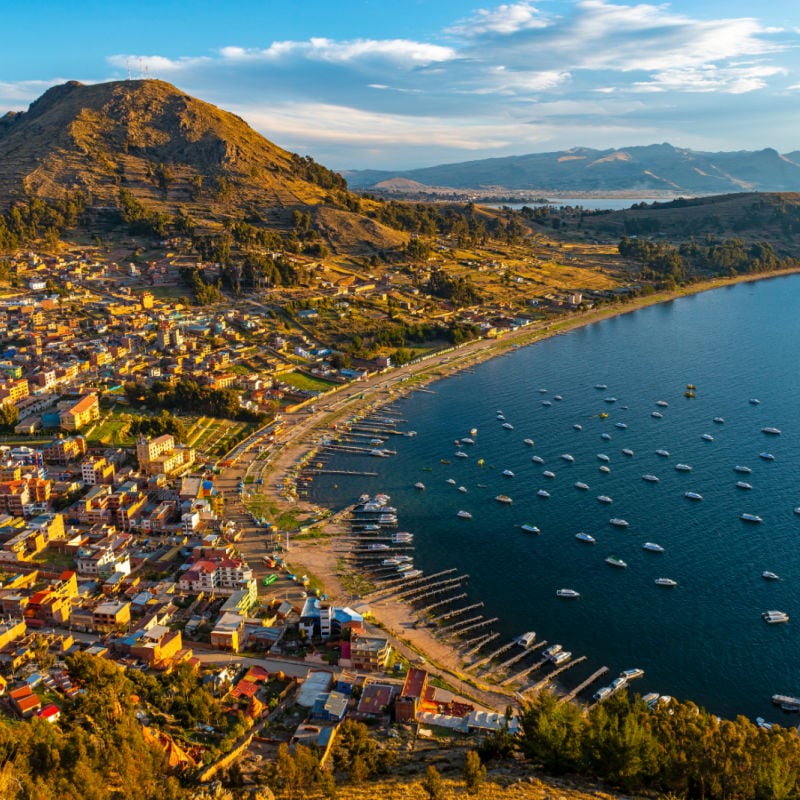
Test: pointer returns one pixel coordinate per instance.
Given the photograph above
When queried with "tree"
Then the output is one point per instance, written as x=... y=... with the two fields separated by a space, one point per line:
x=9 y=416
x=474 y=770
x=432 y=783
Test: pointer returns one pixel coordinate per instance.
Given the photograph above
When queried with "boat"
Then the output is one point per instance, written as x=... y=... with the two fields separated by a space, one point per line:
x=549 y=474
x=743 y=485
x=568 y=457
x=719 y=420
x=797 y=509
x=610 y=399
x=557 y=397
x=632 y=674
x=578 y=427
x=773 y=617
x=662 y=403
x=508 y=426
x=601 y=693
x=546 y=403
x=619 y=683
x=619 y=523
x=766 y=456
x=379 y=546
x=707 y=437
x=582 y=486
x=464 y=515
x=552 y=650
x=537 y=459
x=461 y=454
x=405 y=568
x=585 y=537
x=603 y=457
x=606 y=436
x=604 y=498
x=473 y=431
x=620 y=425
x=754 y=401
x=560 y=658
x=656 y=414
x=567 y=593
x=419 y=485
x=508 y=473
x=770 y=576
x=528 y=528
x=605 y=468
x=683 y=468
x=650 y=478
x=414 y=573
x=503 y=498
x=462 y=489
x=750 y=518
x=526 y=639
x=390 y=562
x=693 y=496
x=665 y=582
x=744 y=470
x=763 y=724
x=663 y=453
x=653 y=547
x=451 y=481
x=615 y=561
x=467 y=440
x=501 y=416
x=444 y=460
x=378 y=453
x=528 y=442
x=626 y=451
x=481 y=462
x=543 y=493
x=543 y=391
x=603 y=415
x=601 y=386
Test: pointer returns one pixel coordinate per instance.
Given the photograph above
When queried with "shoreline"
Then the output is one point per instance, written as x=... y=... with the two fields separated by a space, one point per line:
x=322 y=557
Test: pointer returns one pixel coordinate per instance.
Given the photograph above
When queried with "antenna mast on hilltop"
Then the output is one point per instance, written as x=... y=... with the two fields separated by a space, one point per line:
x=128 y=64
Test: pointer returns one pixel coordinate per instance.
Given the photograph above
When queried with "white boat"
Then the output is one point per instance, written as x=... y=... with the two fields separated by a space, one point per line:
x=750 y=518
x=604 y=498
x=546 y=403
x=543 y=493
x=719 y=420
x=665 y=582
x=773 y=617
x=610 y=399
x=662 y=453
x=528 y=442
x=585 y=537
x=603 y=457
x=770 y=576
x=462 y=489
x=549 y=474
x=568 y=457
x=631 y=674
x=656 y=414
x=606 y=436
x=692 y=496
x=467 y=440
x=473 y=431
x=508 y=426
x=501 y=415
x=508 y=473
x=419 y=485
x=567 y=593
x=754 y=401
x=537 y=459
x=707 y=437
x=560 y=658
x=619 y=683
x=557 y=397
x=615 y=561
x=389 y=562
x=653 y=547
x=578 y=427
x=797 y=509
x=605 y=468
x=552 y=650
x=543 y=391
x=662 y=403
x=763 y=724
x=771 y=431
x=451 y=481
x=601 y=386
x=650 y=478
x=414 y=573
x=626 y=451
x=526 y=639
x=619 y=523
x=582 y=486
x=464 y=515
x=528 y=528
x=743 y=485
x=503 y=498
x=743 y=470
x=683 y=468
x=461 y=454
x=766 y=456
x=601 y=693
x=620 y=425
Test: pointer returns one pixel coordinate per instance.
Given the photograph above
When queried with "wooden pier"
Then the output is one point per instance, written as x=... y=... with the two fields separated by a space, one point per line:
x=588 y=682
x=439 y=604
x=476 y=622
x=478 y=642
x=513 y=660
x=518 y=676
x=456 y=612
x=563 y=668
x=442 y=586
x=492 y=655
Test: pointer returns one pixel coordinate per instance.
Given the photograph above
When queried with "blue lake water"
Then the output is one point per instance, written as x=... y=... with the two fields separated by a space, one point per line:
x=591 y=203
x=702 y=640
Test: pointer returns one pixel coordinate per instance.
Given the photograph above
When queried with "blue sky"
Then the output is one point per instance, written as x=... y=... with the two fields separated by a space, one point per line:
x=408 y=83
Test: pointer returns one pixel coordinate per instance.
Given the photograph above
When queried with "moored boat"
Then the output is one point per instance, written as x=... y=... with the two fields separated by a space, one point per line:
x=508 y=426
x=615 y=561
x=771 y=431
x=537 y=459
x=770 y=576
x=528 y=442
x=578 y=427
x=653 y=547
x=766 y=456
x=606 y=436
x=773 y=617
x=543 y=493
x=604 y=468
x=663 y=453
x=650 y=478
x=626 y=451
x=464 y=515
x=743 y=485
x=603 y=457
x=707 y=437
x=662 y=403
x=604 y=498
x=585 y=537
x=665 y=582
x=451 y=481
x=620 y=425
x=526 y=639
x=419 y=485
x=462 y=489
x=750 y=518
x=461 y=454
x=618 y=523
x=683 y=468
x=754 y=401
x=744 y=470
x=656 y=415
x=560 y=658
x=582 y=486
x=528 y=528
x=508 y=473
x=632 y=674
x=786 y=702
x=549 y=474
x=601 y=386
x=693 y=495
x=568 y=457
x=567 y=593
x=719 y=420
x=503 y=498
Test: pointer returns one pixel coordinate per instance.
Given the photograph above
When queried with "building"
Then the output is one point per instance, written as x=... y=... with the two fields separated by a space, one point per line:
x=369 y=652
x=62 y=451
x=80 y=414
x=162 y=455
x=96 y=470
x=111 y=616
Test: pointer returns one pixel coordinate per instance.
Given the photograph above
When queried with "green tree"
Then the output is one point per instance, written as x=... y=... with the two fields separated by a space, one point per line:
x=474 y=770
x=432 y=783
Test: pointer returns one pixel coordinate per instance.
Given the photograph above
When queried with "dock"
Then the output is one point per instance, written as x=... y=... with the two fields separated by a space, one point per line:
x=492 y=655
x=563 y=668
x=588 y=682
x=460 y=628
x=519 y=656
x=518 y=676
x=478 y=642
x=456 y=612
x=439 y=604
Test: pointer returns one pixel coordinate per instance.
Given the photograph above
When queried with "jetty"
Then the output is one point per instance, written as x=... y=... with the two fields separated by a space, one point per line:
x=563 y=668
x=588 y=682
x=518 y=676
x=491 y=656
x=514 y=659
x=456 y=612
x=446 y=602
x=473 y=645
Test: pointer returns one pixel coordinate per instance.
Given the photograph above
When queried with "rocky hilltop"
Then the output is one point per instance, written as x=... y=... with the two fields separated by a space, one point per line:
x=171 y=152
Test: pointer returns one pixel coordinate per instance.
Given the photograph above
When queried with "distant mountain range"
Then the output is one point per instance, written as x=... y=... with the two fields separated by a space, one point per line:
x=658 y=168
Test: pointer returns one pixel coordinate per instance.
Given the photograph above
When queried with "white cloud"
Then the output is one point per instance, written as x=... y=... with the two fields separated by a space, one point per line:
x=732 y=80
x=504 y=20
x=20 y=94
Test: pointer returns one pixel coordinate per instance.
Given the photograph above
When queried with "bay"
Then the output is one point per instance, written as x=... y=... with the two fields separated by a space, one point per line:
x=703 y=640
x=589 y=203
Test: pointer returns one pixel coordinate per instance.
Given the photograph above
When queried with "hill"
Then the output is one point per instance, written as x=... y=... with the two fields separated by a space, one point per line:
x=171 y=152
x=654 y=168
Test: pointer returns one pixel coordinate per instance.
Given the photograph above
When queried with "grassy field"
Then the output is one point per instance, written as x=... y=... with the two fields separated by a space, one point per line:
x=300 y=380
x=214 y=437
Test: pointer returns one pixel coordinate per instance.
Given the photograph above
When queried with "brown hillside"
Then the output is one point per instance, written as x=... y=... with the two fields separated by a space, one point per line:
x=170 y=151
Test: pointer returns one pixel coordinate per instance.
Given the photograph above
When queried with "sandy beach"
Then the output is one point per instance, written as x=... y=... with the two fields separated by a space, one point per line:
x=325 y=557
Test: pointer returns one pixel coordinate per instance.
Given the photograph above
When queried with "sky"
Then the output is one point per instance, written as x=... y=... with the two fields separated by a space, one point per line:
x=398 y=84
